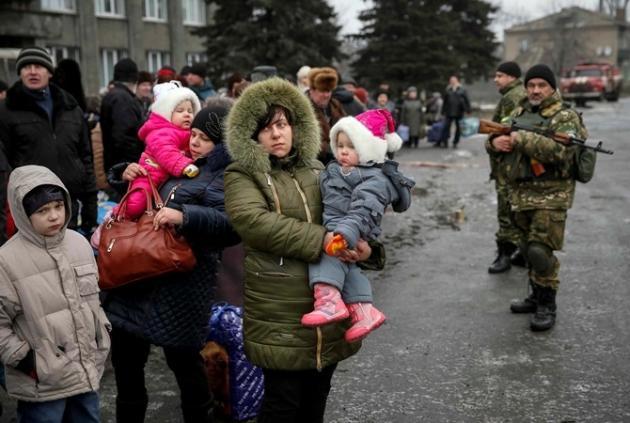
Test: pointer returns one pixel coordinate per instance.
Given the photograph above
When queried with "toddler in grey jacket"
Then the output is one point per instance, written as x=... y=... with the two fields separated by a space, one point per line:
x=356 y=189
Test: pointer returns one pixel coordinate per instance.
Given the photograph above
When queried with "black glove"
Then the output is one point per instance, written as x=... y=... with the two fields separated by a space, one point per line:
x=114 y=177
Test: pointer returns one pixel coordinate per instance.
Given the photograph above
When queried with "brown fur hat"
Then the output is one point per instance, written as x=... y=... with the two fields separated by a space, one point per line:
x=323 y=79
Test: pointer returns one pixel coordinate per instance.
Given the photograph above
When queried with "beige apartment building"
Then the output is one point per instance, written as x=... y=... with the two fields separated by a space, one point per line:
x=568 y=37
x=98 y=33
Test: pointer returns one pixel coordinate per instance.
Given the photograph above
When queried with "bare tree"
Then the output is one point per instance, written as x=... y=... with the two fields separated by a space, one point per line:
x=560 y=44
x=613 y=7
x=568 y=42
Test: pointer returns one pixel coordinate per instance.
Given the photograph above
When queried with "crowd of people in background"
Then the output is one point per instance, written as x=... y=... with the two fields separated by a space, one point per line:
x=124 y=104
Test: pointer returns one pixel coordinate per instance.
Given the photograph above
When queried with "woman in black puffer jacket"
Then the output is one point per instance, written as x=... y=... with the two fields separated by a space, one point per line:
x=173 y=311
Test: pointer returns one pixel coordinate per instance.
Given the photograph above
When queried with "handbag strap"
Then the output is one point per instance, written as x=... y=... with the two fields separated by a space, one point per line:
x=156 y=195
x=122 y=205
x=152 y=197
x=154 y=192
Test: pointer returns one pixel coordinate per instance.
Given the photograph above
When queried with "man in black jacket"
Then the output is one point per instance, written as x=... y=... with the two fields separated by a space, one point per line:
x=456 y=103
x=121 y=117
x=42 y=124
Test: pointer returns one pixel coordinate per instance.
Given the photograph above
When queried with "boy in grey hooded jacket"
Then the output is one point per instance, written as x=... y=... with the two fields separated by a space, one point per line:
x=356 y=189
x=53 y=332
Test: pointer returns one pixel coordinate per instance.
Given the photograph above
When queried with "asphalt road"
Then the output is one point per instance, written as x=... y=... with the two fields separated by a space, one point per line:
x=451 y=351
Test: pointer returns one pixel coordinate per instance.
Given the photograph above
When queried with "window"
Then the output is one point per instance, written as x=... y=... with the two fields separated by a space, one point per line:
x=110 y=8
x=194 y=12
x=524 y=45
x=58 y=5
x=157 y=59
x=59 y=53
x=8 y=70
x=109 y=57
x=155 y=10
x=604 y=51
x=192 y=58
x=586 y=72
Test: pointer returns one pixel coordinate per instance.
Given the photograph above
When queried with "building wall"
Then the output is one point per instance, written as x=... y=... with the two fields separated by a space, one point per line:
x=568 y=37
x=91 y=34
x=597 y=44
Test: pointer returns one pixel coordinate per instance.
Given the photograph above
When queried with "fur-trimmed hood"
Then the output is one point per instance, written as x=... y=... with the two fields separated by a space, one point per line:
x=253 y=105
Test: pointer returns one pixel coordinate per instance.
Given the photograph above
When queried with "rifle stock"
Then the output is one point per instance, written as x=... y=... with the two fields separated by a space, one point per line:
x=493 y=128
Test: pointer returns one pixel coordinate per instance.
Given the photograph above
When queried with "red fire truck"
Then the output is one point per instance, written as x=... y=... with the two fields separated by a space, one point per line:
x=591 y=81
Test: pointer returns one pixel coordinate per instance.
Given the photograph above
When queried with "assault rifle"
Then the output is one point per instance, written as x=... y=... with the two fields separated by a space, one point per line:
x=490 y=127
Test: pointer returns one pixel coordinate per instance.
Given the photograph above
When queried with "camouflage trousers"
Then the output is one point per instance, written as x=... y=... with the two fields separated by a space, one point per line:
x=545 y=227
x=508 y=231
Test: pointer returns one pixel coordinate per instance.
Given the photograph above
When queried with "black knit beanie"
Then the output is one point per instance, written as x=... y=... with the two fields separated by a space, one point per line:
x=211 y=119
x=40 y=196
x=126 y=70
x=34 y=55
x=185 y=70
x=198 y=69
x=543 y=72
x=510 y=68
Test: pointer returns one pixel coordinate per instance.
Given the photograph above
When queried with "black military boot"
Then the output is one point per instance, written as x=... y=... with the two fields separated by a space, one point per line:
x=545 y=316
x=502 y=262
x=529 y=304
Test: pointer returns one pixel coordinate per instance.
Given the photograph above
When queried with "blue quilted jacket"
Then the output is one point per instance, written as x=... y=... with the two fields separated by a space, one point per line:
x=355 y=201
x=174 y=310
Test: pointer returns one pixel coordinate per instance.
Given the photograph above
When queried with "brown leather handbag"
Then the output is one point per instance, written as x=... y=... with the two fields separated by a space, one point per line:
x=132 y=250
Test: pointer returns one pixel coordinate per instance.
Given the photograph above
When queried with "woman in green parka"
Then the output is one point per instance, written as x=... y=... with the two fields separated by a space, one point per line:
x=273 y=200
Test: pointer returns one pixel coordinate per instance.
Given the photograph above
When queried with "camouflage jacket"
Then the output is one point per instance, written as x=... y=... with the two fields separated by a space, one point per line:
x=555 y=188
x=512 y=95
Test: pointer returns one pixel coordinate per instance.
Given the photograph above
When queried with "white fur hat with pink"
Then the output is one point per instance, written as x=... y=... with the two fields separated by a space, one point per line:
x=373 y=134
x=168 y=95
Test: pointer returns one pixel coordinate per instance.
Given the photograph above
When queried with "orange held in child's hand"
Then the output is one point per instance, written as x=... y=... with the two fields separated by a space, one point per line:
x=336 y=245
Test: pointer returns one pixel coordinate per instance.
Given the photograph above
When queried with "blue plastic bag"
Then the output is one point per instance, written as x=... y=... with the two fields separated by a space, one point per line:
x=403 y=132
x=246 y=380
x=469 y=126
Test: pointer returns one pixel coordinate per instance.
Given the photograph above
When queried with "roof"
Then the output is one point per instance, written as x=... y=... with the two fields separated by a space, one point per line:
x=575 y=16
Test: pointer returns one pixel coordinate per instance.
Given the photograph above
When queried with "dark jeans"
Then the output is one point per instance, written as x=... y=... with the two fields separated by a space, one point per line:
x=295 y=396
x=129 y=356
x=77 y=408
x=447 y=130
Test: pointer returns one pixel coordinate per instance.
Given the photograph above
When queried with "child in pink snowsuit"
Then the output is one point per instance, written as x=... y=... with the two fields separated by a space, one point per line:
x=166 y=134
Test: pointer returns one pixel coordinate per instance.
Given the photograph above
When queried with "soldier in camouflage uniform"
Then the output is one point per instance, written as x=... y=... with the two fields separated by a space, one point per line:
x=511 y=88
x=543 y=187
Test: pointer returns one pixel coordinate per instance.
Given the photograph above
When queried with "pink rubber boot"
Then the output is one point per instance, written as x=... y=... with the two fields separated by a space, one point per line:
x=329 y=307
x=365 y=318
